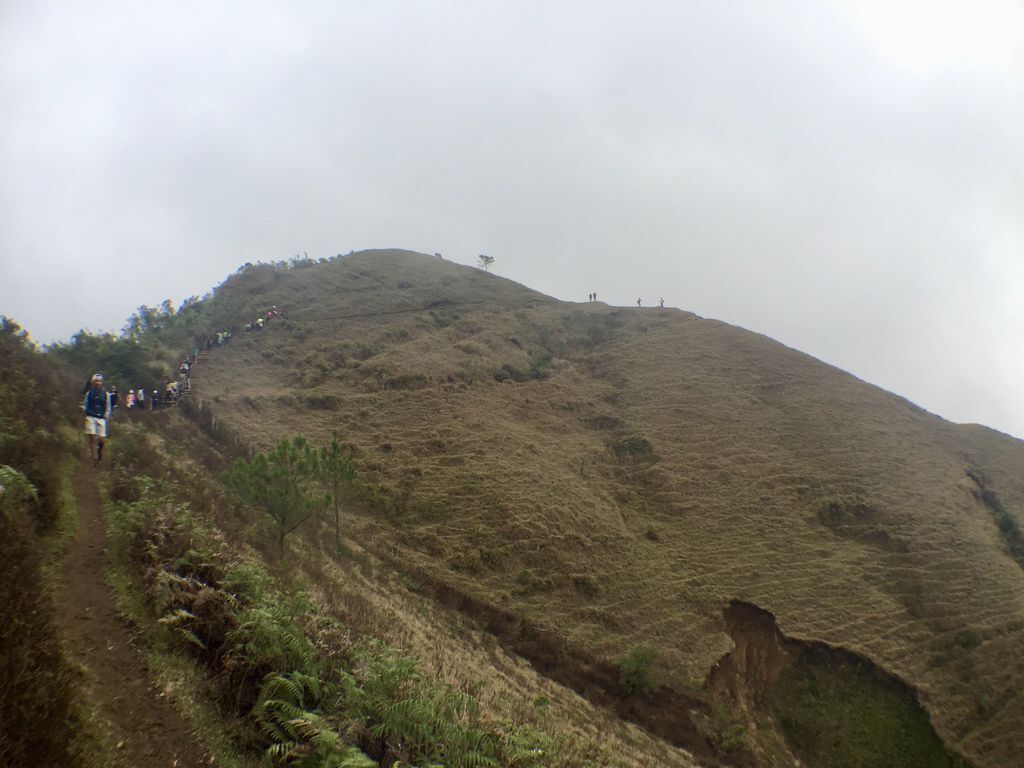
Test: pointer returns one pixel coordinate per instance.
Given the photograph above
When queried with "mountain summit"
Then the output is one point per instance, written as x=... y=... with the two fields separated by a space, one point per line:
x=750 y=520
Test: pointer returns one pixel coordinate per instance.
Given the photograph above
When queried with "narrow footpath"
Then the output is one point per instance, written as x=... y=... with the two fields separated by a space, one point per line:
x=145 y=728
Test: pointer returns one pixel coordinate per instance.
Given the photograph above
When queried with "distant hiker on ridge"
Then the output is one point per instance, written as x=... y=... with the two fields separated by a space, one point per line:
x=638 y=303
x=661 y=303
x=96 y=406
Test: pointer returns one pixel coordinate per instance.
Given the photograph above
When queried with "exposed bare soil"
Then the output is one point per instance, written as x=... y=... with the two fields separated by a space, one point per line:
x=144 y=728
x=760 y=654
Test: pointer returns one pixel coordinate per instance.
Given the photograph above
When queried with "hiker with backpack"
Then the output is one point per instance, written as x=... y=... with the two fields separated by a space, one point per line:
x=96 y=406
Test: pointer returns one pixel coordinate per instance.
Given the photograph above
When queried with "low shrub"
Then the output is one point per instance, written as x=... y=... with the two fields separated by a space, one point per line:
x=1005 y=521
x=540 y=364
x=633 y=448
x=636 y=671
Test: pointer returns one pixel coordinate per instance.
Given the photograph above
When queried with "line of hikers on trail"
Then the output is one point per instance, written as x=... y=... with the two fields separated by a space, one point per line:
x=99 y=403
x=593 y=297
x=259 y=322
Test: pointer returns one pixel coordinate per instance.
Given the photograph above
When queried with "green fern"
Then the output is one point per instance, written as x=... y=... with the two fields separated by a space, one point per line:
x=419 y=721
x=526 y=747
x=267 y=638
x=301 y=736
x=179 y=620
x=247 y=581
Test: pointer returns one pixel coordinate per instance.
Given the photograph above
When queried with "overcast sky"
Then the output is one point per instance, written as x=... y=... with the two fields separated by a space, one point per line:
x=847 y=178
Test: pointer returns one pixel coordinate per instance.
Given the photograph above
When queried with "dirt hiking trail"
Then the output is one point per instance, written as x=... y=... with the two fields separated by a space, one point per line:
x=144 y=727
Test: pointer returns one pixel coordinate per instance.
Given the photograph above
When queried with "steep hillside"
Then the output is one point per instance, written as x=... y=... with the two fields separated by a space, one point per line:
x=620 y=478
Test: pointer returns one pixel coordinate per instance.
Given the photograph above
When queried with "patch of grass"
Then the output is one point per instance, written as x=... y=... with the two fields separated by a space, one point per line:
x=467 y=561
x=442 y=318
x=513 y=371
x=406 y=381
x=57 y=540
x=634 y=448
x=364 y=352
x=585 y=584
x=834 y=512
x=471 y=348
x=531 y=581
x=836 y=712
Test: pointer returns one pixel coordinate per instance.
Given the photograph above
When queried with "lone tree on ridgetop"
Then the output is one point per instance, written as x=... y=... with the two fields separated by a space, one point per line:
x=485 y=261
x=282 y=482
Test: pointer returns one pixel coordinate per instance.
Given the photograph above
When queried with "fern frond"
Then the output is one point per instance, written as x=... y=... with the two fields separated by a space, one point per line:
x=351 y=758
x=192 y=637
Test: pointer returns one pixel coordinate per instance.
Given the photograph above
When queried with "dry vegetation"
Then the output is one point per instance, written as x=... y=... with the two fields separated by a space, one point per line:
x=615 y=477
x=372 y=601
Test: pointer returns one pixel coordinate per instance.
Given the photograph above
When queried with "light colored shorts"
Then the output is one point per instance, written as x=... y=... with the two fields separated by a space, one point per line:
x=95 y=426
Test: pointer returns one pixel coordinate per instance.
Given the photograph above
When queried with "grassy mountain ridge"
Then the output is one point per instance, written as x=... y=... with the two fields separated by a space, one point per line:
x=619 y=476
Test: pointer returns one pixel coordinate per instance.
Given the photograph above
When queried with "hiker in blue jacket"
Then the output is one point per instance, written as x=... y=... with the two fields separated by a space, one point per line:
x=96 y=405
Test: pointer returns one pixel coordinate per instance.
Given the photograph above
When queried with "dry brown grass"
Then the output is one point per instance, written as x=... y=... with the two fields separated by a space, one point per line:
x=519 y=492
x=374 y=600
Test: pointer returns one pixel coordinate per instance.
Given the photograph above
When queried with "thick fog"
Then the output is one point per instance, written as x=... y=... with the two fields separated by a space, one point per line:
x=846 y=178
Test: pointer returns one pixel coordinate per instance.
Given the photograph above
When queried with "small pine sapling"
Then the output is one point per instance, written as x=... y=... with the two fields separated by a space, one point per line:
x=282 y=482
